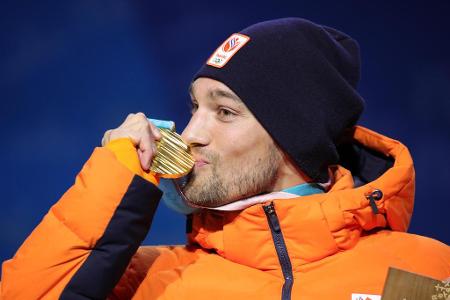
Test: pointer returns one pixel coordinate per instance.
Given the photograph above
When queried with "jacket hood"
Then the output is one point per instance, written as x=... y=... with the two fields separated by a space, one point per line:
x=320 y=225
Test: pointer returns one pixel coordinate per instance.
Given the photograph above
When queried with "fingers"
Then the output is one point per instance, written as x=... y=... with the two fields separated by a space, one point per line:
x=146 y=150
x=142 y=133
x=155 y=131
x=147 y=146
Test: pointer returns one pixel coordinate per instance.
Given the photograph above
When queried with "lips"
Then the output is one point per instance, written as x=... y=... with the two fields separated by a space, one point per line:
x=200 y=163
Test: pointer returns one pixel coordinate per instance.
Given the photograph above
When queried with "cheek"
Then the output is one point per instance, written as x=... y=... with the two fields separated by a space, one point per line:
x=240 y=144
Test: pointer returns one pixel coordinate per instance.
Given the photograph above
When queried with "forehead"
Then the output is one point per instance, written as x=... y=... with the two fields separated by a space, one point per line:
x=211 y=89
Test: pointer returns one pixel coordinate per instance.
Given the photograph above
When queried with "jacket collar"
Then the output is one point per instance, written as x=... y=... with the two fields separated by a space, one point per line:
x=314 y=226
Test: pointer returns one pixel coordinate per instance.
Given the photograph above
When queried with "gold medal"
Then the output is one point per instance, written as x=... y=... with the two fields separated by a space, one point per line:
x=173 y=158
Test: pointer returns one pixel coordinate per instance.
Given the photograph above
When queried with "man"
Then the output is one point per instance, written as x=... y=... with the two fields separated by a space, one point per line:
x=297 y=202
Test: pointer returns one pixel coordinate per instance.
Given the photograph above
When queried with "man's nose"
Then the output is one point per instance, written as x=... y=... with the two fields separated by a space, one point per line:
x=196 y=132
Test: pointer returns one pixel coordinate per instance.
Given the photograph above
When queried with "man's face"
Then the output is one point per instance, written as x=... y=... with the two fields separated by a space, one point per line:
x=235 y=156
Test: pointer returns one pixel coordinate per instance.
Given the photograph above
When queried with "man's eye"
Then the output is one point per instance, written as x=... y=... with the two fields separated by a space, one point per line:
x=226 y=114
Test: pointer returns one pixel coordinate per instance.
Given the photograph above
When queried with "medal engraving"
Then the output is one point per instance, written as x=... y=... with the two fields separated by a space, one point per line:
x=173 y=159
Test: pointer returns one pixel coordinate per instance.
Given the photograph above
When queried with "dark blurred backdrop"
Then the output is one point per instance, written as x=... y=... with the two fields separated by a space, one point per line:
x=69 y=70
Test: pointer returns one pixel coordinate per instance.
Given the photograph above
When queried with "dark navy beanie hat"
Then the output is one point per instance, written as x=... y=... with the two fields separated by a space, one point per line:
x=299 y=80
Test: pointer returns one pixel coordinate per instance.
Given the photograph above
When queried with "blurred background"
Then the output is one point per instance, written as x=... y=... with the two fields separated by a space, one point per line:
x=69 y=70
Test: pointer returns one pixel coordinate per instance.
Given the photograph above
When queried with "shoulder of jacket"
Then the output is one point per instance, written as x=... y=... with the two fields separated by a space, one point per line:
x=416 y=253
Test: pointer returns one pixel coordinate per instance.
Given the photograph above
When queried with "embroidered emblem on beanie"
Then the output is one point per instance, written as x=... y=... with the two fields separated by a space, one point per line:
x=226 y=51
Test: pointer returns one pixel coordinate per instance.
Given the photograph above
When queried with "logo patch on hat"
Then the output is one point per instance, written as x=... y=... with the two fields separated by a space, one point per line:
x=226 y=51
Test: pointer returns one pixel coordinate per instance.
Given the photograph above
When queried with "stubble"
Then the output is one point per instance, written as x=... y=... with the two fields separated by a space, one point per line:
x=227 y=182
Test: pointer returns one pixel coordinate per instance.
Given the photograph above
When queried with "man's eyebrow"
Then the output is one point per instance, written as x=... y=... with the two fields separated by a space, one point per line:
x=219 y=93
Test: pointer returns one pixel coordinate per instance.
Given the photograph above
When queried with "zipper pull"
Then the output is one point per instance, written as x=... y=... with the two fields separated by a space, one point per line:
x=375 y=195
x=272 y=217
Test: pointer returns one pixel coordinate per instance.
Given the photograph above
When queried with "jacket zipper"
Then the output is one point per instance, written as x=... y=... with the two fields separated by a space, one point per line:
x=280 y=247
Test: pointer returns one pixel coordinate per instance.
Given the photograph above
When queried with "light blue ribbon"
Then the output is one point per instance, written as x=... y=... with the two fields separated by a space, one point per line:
x=305 y=189
x=163 y=124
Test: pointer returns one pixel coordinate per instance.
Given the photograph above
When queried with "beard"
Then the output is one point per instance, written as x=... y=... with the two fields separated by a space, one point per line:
x=226 y=182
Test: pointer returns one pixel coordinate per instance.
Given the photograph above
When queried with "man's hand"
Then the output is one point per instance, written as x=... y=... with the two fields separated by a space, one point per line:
x=141 y=132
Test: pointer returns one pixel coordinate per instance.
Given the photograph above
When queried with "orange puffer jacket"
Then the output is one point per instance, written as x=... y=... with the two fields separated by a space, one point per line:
x=324 y=246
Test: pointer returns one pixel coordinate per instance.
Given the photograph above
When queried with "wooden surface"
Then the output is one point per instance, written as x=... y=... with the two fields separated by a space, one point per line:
x=402 y=285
